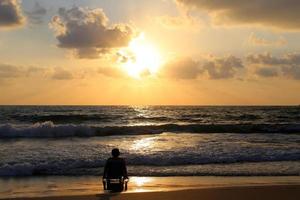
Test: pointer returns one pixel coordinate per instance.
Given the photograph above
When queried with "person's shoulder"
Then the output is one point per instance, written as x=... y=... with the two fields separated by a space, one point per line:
x=119 y=159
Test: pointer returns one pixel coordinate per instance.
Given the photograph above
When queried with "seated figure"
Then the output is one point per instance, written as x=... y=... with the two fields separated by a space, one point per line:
x=115 y=176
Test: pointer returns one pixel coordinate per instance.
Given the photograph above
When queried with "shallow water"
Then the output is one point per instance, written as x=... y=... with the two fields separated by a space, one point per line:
x=167 y=154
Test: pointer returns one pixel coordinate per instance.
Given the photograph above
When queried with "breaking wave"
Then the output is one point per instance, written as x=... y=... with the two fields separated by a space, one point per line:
x=50 y=130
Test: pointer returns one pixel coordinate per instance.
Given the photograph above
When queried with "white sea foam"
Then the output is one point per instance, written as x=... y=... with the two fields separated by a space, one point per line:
x=45 y=130
x=50 y=130
x=155 y=154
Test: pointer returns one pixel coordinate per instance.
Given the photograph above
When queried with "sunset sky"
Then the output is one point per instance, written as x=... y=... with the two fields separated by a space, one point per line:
x=142 y=52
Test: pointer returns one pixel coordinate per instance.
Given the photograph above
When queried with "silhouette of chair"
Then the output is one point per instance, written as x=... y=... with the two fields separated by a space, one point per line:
x=115 y=184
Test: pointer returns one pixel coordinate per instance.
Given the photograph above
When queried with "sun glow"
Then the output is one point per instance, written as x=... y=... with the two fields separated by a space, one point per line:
x=140 y=58
x=140 y=181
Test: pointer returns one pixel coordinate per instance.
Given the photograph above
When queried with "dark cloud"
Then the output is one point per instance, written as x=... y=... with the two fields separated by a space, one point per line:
x=91 y=53
x=216 y=68
x=276 y=13
x=86 y=31
x=265 y=58
x=223 y=68
x=268 y=59
x=10 y=13
x=267 y=72
x=287 y=65
x=292 y=71
x=36 y=15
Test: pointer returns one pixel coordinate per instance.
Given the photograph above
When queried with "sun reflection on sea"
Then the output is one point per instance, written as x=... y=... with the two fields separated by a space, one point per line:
x=140 y=183
x=143 y=143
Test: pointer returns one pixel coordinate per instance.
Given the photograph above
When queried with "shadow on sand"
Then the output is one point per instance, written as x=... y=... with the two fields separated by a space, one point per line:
x=107 y=196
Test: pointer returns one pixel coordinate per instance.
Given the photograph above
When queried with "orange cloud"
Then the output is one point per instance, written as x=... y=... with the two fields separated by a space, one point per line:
x=260 y=41
x=176 y=22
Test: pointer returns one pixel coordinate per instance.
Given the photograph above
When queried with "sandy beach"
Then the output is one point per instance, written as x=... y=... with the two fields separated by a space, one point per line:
x=287 y=192
x=85 y=188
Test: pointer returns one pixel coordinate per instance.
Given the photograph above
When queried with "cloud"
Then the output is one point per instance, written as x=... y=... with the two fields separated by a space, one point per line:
x=112 y=72
x=292 y=71
x=90 y=53
x=87 y=32
x=11 y=14
x=183 y=20
x=267 y=72
x=268 y=59
x=8 y=71
x=223 y=68
x=178 y=22
x=62 y=74
x=215 y=67
x=259 y=41
x=287 y=65
x=185 y=68
x=37 y=14
x=283 y=14
x=231 y=67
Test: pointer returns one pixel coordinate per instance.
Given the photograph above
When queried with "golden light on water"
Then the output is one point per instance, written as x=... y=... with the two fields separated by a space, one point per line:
x=143 y=143
x=141 y=58
x=140 y=181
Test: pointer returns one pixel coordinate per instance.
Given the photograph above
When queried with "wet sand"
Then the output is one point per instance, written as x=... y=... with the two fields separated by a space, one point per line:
x=278 y=192
x=195 y=187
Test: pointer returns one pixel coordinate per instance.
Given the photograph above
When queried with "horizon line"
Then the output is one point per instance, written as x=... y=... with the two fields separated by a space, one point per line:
x=191 y=105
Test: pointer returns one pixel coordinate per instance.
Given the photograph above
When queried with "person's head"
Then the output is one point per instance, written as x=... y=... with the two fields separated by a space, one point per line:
x=115 y=152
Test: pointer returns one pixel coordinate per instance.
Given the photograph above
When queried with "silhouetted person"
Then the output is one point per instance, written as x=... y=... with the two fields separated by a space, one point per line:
x=115 y=168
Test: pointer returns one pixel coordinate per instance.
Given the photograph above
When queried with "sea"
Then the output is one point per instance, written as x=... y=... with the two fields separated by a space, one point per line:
x=154 y=140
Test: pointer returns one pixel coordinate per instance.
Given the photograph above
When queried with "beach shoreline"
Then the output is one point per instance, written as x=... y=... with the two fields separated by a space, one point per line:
x=274 y=192
x=90 y=187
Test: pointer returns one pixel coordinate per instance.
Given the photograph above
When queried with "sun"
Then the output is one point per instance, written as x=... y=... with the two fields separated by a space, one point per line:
x=140 y=58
